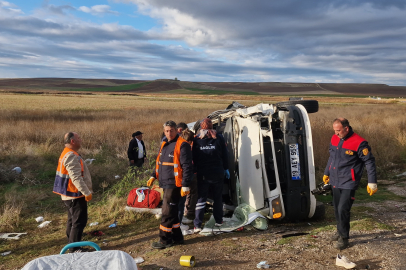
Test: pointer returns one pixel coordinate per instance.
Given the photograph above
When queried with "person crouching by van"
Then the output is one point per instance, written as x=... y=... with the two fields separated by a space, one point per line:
x=210 y=158
x=174 y=172
x=187 y=205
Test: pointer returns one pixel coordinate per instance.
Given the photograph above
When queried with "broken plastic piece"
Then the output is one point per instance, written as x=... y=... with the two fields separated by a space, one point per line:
x=5 y=253
x=17 y=170
x=89 y=160
x=263 y=264
x=113 y=225
x=94 y=223
x=39 y=219
x=187 y=232
x=8 y=236
x=138 y=260
x=43 y=224
x=117 y=176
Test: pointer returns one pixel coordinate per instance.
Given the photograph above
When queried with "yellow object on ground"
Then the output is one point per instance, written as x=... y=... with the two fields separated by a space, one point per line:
x=188 y=261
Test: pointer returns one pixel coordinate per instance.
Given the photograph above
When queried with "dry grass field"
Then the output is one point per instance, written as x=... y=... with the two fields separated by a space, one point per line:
x=32 y=127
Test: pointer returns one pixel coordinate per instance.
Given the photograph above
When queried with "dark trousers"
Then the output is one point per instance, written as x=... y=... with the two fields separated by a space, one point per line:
x=181 y=207
x=169 y=230
x=191 y=198
x=343 y=200
x=138 y=162
x=215 y=183
x=77 y=219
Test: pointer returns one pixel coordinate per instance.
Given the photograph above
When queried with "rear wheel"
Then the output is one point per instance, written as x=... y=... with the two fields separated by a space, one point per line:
x=311 y=106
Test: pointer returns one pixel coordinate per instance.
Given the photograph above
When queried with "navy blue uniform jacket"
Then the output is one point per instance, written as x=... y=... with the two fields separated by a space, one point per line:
x=210 y=156
x=348 y=157
x=166 y=173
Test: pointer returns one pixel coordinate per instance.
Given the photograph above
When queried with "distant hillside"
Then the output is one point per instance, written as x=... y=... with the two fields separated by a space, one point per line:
x=184 y=87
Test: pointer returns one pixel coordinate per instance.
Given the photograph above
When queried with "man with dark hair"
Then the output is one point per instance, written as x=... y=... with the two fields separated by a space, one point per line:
x=174 y=172
x=181 y=127
x=74 y=184
x=349 y=154
x=136 y=150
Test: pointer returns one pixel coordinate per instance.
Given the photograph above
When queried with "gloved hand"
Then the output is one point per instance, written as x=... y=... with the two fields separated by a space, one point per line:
x=184 y=191
x=372 y=188
x=326 y=179
x=227 y=173
x=150 y=181
x=88 y=198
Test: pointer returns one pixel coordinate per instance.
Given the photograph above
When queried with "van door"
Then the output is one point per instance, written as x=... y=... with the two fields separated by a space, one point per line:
x=249 y=162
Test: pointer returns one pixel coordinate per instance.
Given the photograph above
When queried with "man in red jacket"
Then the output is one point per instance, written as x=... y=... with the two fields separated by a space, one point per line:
x=349 y=154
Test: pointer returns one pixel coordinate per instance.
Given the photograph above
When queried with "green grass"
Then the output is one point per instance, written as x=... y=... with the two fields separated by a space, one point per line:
x=119 y=88
x=220 y=92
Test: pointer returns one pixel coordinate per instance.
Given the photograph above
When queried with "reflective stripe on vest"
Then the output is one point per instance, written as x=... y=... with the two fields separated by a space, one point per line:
x=63 y=184
x=177 y=169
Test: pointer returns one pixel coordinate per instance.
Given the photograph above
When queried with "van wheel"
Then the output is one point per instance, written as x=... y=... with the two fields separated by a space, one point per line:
x=311 y=106
x=320 y=211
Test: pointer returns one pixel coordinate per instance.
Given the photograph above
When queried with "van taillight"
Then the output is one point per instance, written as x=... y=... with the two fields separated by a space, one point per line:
x=276 y=208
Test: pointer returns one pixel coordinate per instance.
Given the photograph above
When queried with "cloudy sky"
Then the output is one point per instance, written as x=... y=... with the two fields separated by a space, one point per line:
x=343 y=41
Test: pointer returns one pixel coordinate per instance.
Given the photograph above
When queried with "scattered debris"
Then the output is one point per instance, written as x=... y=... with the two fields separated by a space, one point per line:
x=397 y=235
x=9 y=236
x=17 y=170
x=114 y=224
x=117 y=176
x=234 y=238
x=314 y=236
x=138 y=260
x=39 y=219
x=96 y=233
x=94 y=223
x=402 y=174
x=187 y=232
x=263 y=264
x=89 y=160
x=5 y=253
x=293 y=233
x=43 y=224
x=158 y=216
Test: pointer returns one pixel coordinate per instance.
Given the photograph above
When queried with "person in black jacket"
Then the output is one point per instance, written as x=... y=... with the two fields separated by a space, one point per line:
x=349 y=154
x=174 y=172
x=210 y=159
x=136 y=150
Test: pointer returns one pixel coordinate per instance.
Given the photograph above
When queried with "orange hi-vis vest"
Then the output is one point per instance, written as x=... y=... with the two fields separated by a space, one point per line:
x=177 y=169
x=63 y=184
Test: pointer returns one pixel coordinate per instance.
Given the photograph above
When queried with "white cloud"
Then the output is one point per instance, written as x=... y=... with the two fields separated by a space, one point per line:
x=98 y=10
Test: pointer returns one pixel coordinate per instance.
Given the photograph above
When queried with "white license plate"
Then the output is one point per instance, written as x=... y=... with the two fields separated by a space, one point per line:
x=294 y=161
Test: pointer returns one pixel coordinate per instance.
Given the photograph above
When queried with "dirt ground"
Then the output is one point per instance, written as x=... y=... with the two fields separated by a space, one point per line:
x=375 y=247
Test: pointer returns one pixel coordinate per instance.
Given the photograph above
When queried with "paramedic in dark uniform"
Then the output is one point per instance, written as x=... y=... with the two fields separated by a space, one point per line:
x=174 y=172
x=210 y=158
x=349 y=154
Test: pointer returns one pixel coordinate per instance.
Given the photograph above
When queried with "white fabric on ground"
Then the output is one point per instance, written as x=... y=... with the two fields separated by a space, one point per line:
x=97 y=260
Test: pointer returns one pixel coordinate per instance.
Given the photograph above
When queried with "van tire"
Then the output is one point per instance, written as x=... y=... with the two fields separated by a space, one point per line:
x=320 y=211
x=311 y=106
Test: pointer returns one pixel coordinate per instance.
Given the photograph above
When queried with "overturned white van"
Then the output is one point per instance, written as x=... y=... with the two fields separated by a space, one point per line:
x=271 y=157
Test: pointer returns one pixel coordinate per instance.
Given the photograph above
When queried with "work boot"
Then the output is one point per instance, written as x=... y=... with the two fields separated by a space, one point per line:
x=335 y=236
x=342 y=243
x=344 y=262
x=159 y=245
